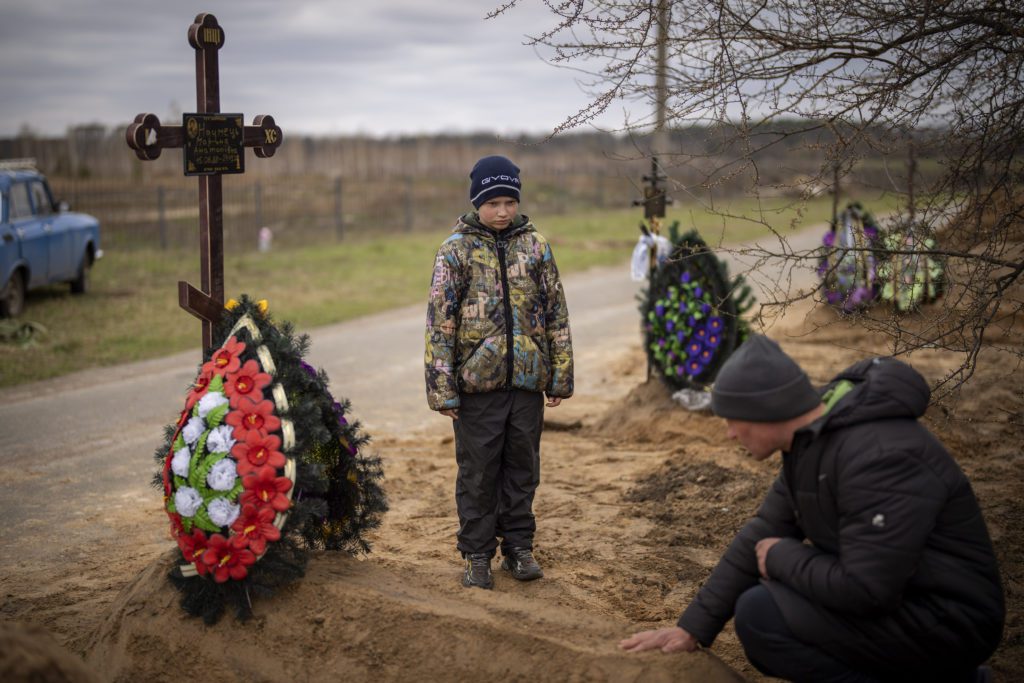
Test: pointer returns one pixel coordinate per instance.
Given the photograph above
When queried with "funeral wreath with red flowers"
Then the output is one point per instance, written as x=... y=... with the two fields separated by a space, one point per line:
x=261 y=440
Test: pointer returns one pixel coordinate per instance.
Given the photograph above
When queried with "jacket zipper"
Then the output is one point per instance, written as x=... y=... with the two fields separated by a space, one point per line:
x=506 y=299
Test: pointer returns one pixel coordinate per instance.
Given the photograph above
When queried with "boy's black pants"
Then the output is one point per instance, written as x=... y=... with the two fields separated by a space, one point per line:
x=497 y=448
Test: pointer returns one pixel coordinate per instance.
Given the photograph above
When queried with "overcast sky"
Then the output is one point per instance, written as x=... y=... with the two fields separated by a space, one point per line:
x=318 y=66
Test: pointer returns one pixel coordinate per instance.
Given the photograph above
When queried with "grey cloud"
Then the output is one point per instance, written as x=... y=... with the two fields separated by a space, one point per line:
x=387 y=66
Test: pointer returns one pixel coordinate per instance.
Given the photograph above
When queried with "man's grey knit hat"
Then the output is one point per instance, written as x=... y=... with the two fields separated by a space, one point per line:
x=760 y=383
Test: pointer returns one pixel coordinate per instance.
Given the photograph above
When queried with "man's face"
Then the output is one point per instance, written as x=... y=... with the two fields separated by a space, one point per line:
x=497 y=213
x=760 y=438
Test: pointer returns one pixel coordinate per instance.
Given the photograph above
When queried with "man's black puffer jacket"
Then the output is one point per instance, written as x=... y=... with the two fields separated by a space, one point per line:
x=885 y=560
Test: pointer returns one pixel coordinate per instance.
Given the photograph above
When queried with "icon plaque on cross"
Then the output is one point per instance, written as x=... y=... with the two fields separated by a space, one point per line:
x=213 y=144
x=655 y=197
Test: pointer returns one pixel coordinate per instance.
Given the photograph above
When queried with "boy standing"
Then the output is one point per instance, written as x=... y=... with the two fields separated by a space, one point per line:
x=497 y=341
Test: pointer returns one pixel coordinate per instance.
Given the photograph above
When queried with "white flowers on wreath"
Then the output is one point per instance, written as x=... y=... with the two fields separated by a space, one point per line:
x=222 y=512
x=180 y=461
x=222 y=475
x=193 y=430
x=187 y=500
x=210 y=401
x=220 y=439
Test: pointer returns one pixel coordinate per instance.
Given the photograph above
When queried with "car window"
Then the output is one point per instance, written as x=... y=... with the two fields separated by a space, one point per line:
x=20 y=206
x=41 y=199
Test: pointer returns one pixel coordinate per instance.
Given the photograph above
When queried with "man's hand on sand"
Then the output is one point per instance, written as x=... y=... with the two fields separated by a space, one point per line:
x=672 y=639
x=453 y=413
x=553 y=401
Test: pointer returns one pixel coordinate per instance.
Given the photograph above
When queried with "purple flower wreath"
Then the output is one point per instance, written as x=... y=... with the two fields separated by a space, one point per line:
x=687 y=328
x=849 y=267
x=691 y=317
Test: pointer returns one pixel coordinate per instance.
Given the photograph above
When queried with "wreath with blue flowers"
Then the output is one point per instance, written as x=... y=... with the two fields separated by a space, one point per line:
x=692 y=313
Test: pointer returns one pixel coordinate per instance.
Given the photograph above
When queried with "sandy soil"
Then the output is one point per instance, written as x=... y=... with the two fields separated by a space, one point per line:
x=638 y=499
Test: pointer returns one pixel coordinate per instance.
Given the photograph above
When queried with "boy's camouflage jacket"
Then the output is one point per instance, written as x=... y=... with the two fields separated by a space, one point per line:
x=497 y=317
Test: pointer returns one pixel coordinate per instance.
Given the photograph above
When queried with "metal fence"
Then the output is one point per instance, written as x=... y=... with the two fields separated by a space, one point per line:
x=163 y=212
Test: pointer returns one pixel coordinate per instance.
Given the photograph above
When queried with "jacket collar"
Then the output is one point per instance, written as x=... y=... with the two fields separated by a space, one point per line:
x=470 y=224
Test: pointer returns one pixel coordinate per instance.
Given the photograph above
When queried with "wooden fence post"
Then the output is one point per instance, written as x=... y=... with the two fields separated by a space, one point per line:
x=409 y=217
x=339 y=217
x=161 y=212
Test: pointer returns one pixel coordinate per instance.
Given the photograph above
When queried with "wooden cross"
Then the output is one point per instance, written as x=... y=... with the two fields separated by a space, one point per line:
x=654 y=201
x=213 y=146
x=655 y=198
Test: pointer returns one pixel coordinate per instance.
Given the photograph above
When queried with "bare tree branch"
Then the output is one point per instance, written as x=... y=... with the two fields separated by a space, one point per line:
x=853 y=81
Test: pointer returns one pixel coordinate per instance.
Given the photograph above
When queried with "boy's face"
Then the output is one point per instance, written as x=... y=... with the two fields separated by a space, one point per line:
x=497 y=213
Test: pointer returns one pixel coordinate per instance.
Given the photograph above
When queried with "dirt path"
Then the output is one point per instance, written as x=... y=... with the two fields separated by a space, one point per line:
x=638 y=499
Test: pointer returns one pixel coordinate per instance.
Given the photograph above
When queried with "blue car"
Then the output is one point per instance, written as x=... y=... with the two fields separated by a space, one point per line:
x=41 y=242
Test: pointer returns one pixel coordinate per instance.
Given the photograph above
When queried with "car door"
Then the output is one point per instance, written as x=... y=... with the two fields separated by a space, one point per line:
x=8 y=242
x=60 y=264
x=30 y=232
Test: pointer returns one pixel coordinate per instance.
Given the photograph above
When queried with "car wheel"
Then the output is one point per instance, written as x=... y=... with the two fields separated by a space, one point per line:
x=12 y=298
x=81 y=282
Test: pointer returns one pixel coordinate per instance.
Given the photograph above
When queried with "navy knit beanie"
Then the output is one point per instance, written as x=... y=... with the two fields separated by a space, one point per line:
x=493 y=176
x=760 y=383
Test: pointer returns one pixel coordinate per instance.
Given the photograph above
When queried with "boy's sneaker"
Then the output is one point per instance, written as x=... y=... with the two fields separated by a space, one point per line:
x=478 y=571
x=520 y=562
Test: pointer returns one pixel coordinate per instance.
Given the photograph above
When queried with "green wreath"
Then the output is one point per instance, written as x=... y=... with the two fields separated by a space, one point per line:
x=909 y=276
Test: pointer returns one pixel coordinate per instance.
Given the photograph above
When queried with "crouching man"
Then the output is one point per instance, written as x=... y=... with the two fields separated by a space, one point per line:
x=869 y=558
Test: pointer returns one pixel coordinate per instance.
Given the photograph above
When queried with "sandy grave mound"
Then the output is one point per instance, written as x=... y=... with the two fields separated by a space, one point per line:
x=361 y=621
